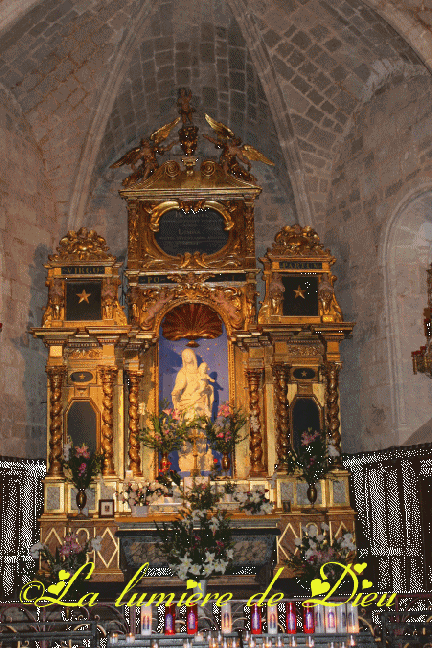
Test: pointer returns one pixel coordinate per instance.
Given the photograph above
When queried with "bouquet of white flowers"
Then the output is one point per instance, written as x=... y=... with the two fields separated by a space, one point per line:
x=313 y=550
x=254 y=501
x=142 y=493
x=198 y=545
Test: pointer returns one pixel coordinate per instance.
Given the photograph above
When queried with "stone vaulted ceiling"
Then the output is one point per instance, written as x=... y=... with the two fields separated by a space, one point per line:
x=89 y=75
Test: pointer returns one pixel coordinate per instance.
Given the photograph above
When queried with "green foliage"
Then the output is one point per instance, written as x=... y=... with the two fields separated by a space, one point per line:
x=166 y=431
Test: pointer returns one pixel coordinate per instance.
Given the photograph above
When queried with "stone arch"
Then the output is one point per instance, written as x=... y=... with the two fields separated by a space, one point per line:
x=80 y=191
x=406 y=252
x=278 y=106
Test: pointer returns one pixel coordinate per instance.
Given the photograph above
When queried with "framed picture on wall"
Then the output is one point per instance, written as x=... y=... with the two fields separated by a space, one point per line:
x=106 y=508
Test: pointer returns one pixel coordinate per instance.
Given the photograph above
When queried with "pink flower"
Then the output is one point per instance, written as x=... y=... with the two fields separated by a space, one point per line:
x=224 y=410
x=167 y=411
x=82 y=469
x=82 y=451
x=309 y=437
x=220 y=435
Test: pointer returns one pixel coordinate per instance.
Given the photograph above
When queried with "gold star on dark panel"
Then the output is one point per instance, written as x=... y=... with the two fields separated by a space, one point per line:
x=304 y=374
x=83 y=300
x=299 y=292
x=83 y=296
x=303 y=287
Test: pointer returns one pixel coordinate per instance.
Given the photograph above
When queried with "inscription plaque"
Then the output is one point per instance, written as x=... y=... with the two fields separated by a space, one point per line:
x=202 y=231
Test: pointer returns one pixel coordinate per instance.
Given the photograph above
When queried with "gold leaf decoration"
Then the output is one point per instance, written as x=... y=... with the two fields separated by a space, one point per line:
x=191 y=321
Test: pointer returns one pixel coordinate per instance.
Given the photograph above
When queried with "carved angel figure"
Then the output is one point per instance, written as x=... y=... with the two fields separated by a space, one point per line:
x=229 y=301
x=276 y=291
x=329 y=309
x=146 y=154
x=233 y=151
x=158 y=299
x=184 y=107
x=55 y=306
x=110 y=303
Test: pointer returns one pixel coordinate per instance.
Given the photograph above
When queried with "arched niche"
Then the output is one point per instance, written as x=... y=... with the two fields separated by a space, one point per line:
x=81 y=423
x=407 y=253
x=305 y=414
x=203 y=331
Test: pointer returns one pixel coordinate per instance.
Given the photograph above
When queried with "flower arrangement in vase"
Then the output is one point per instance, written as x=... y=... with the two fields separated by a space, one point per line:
x=69 y=557
x=199 y=544
x=223 y=433
x=313 y=550
x=141 y=494
x=311 y=460
x=254 y=502
x=80 y=467
x=166 y=431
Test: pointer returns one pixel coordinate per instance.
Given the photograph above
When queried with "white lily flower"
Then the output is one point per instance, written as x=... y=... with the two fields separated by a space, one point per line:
x=297 y=542
x=208 y=570
x=195 y=569
x=96 y=543
x=325 y=527
x=36 y=549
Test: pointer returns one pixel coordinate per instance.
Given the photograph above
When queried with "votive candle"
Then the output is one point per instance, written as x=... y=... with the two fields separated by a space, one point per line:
x=352 y=619
x=308 y=619
x=291 y=620
x=319 y=619
x=272 y=619
x=330 y=619
x=226 y=618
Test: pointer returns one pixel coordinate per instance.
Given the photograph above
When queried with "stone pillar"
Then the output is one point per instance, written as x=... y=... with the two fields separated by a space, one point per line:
x=134 y=378
x=283 y=435
x=108 y=376
x=55 y=376
x=331 y=370
x=256 y=441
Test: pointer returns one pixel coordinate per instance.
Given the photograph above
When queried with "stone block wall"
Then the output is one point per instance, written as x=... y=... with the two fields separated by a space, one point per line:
x=28 y=229
x=378 y=224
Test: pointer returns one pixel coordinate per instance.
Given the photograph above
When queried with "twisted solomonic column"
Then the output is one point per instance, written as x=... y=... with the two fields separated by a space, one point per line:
x=256 y=441
x=283 y=435
x=55 y=376
x=108 y=376
x=134 y=378
x=331 y=371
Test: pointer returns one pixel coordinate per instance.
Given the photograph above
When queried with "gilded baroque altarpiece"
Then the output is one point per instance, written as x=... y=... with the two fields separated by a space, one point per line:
x=190 y=281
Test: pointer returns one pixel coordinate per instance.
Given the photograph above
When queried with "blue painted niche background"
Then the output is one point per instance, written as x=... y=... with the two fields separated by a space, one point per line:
x=212 y=351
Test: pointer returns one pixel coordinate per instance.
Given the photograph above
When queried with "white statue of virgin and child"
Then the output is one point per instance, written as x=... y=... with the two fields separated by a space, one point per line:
x=193 y=395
